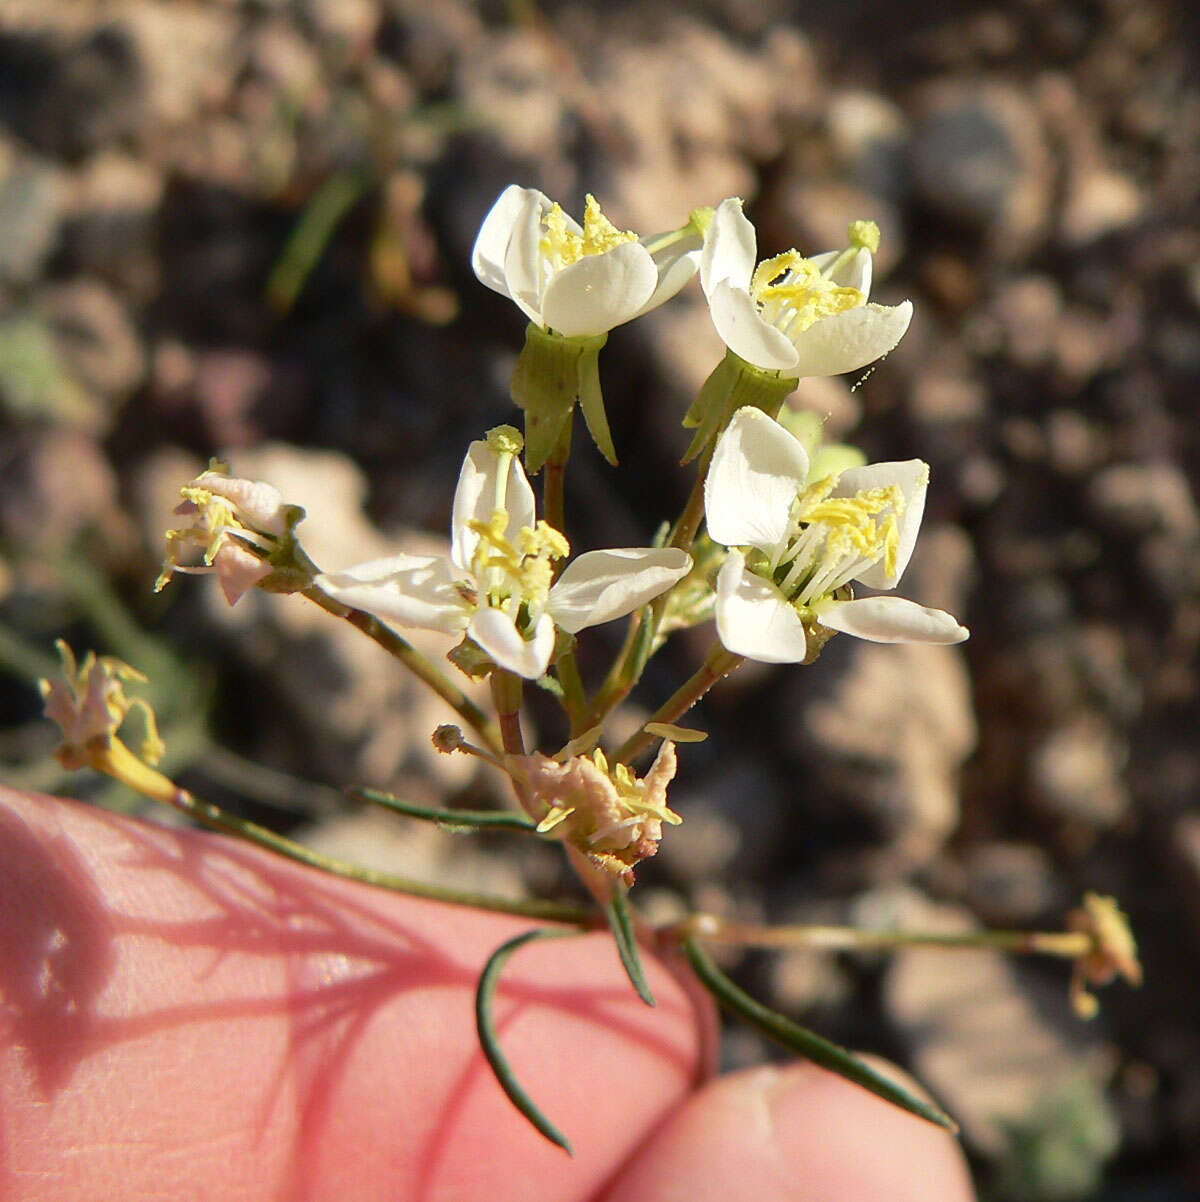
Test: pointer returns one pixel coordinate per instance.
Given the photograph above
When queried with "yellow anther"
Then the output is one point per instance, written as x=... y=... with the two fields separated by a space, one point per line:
x=863 y=235
x=543 y=539
x=504 y=440
x=794 y=294
x=563 y=246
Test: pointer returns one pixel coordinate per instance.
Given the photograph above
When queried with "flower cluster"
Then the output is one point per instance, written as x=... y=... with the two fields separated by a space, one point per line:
x=777 y=564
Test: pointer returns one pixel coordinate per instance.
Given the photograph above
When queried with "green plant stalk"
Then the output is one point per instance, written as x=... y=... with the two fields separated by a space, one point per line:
x=311 y=234
x=460 y=820
x=640 y=635
x=717 y=665
x=415 y=662
x=554 y=479
x=804 y=1042
x=1066 y=945
x=620 y=922
x=114 y=759
x=489 y=1042
x=574 y=697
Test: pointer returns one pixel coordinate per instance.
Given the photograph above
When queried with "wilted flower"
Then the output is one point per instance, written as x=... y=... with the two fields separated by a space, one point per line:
x=794 y=315
x=89 y=704
x=1113 y=952
x=498 y=585
x=237 y=523
x=806 y=542
x=610 y=815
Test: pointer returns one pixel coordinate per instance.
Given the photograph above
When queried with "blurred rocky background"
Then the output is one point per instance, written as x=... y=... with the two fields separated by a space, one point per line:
x=243 y=228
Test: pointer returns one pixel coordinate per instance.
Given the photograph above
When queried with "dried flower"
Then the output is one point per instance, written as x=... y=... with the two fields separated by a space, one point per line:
x=1113 y=951
x=609 y=814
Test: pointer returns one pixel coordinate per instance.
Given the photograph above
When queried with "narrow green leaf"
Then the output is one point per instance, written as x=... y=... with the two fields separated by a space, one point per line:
x=807 y=1044
x=617 y=913
x=488 y=1040
x=458 y=821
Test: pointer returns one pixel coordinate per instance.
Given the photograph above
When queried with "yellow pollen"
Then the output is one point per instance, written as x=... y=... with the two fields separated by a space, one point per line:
x=526 y=569
x=564 y=247
x=803 y=295
x=863 y=235
x=865 y=524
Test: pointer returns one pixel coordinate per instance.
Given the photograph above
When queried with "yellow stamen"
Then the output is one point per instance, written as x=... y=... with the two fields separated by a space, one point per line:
x=564 y=247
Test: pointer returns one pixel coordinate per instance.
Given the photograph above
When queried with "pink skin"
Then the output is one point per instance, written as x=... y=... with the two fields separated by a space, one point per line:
x=185 y=1017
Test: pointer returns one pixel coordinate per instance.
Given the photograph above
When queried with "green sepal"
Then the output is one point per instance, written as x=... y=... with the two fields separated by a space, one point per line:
x=619 y=922
x=732 y=385
x=470 y=658
x=554 y=373
x=485 y=995
x=807 y=1044
x=455 y=821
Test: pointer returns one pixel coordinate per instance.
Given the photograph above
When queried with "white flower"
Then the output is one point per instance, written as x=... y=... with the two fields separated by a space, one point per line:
x=797 y=316
x=807 y=541
x=577 y=281
x=496 y=585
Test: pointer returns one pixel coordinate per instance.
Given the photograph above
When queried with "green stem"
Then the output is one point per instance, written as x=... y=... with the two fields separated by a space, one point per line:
x=507 y=691
x=117 y=761
x=450 y=819
x=574 y=696
x=1066 y=945
x=415 y=662
x=642 y=631
x=717 y=665
x=311 y=234
x=806 y=1043
x=554 y=480
x=489 y=1041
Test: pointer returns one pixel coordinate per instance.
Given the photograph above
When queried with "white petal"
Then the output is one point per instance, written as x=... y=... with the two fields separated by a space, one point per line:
x=599 y=586
x=912 y=478
x=890 y=620
x=754 y=619
x=847 y=341
x=757 y=470
x=410 y=590
x=744 y=331
x=494 y=631
x=475 y=500
x=491 y=243
x=730 y=248
x=854 y=273
x=675 y=266
x=523 y=256
x=598 y=292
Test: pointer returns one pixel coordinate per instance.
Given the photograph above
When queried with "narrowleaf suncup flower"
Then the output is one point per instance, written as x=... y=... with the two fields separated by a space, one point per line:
x=497 y=585
x=795 y=315
x=785 y=318
x=575 y=283
x=797 y=545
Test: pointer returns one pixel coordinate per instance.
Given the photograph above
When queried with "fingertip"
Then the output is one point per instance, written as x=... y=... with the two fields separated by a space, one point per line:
x=794 y=1133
